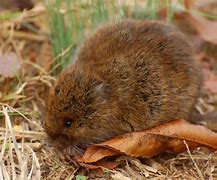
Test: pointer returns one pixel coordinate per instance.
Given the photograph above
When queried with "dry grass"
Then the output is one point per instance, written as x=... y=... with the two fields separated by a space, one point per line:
x=24 y=155
x=18 y=160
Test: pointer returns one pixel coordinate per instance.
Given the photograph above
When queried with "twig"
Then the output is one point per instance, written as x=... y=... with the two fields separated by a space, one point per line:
x=25 y=133
x=30 y=36
x=16 y=114
x=27 y=119
x=195 y=164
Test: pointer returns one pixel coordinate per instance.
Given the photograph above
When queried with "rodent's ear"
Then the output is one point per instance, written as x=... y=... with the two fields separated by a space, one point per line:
x=103 y=88
x=101 y=91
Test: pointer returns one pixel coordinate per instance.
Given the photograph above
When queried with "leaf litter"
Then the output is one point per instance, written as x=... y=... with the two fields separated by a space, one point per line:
x=167 y=137
x=9 y=64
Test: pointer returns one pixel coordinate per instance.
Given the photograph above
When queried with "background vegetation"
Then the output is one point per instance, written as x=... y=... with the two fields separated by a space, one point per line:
x=70 y=20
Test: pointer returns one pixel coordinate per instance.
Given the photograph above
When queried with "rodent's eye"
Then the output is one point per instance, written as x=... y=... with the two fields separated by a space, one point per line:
x=68 y=123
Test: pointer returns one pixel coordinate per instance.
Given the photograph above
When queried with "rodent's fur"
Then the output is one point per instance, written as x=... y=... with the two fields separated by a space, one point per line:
x=128 y=76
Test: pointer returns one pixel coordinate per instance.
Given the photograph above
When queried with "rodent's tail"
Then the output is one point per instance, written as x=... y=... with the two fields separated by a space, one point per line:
x=209 y=120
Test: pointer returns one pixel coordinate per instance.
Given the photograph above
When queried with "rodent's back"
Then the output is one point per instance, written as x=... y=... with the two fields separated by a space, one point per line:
x=150 y=65
x=128 y=76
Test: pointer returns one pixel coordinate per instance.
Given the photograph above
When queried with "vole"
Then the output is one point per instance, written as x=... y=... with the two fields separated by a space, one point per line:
x=127 y=76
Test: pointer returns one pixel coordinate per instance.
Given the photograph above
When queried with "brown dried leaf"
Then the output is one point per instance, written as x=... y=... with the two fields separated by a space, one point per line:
x=210 y=81
x=167 y=137
x=100 y=165
x=211 y=85
x=206 y=29
x=189 y=4
x=92 y=153
x=9 y=64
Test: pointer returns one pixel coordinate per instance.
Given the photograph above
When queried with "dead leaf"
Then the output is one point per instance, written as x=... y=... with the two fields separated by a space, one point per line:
x=210 y=81
x=211 y=85
x=167 y=137
x=92 y=153
x=100 y=165
x=9 y=64
x=206 y=29
x=189 y=4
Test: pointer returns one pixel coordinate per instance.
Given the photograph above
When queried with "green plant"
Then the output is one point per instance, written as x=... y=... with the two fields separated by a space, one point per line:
x=61 y=33
x=80 y=177
x=70 y=20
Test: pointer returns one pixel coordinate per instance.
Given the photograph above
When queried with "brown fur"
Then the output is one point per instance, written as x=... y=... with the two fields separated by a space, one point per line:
x=128 y=76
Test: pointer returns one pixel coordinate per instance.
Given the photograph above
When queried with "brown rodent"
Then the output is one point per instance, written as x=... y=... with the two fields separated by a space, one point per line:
x=128 y=76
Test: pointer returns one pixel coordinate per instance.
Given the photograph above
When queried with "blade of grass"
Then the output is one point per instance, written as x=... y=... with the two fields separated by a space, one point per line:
x=15 y=161
x=169 y=11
